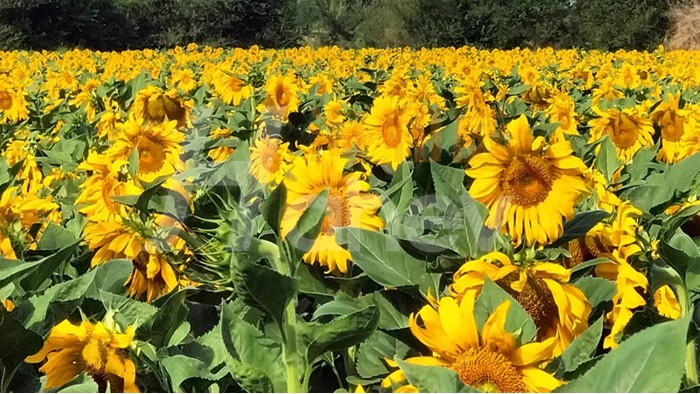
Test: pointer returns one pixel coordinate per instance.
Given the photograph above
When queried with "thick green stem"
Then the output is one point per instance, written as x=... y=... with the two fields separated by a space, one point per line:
x=296 y=368
x=691 y=365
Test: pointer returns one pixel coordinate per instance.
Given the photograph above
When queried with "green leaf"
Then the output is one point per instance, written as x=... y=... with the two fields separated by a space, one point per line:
x=308 y=283
x=273 y=207
x=641 y=364
x=383 y=259
x=55 y=237
x=180 y=368
x=46 y=267
x=84 y=383
x=253 y=283
x=580 y=225
x=607 y=162
x=16 y=342
x=433 y=379
x=596 y=290
x=128 y=310
x=518 y=89
x=340 y=333
x=390 y=317
x=463 y=216
x=371 y=353
x=252 y=356
x=11 y=270
x=583 y=348
x=518 y=320
x=304 y=234
x=161 y=327
x=398 y=196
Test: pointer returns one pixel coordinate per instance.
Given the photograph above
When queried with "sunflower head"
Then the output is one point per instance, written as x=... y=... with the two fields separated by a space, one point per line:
x=487 y=358
x=557 y=309
x=154 y=106
x=270 y=160
x=528 y=186
x=628 y=130
x=387 y=135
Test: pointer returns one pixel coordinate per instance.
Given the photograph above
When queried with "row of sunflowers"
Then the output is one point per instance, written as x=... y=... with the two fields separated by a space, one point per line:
x=443 y=220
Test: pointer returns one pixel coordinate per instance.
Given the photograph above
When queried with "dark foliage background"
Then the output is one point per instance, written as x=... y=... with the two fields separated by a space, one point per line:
x=134 y=24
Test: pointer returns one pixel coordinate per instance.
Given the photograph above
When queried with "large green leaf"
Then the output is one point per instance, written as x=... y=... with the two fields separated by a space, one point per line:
x=16 y=342
x=304 y=234
x=160 y=328
x=252 y=356
x=433 y=379
x=583 y=347
x=340 y=333
x=579 y=226
x=649 y=361
x=518 y=320
x=253 y=284
x=383 y=259
x=463 y=216
x=596 y=290
x=607 y=162
x=273 y=207
x=46 y=267
x=371 y=354
x=390 y=318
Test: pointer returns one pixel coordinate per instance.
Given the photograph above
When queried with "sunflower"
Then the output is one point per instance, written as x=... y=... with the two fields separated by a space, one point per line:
x=666 y=302
x=628 y=284
x=690 y=140
x=19 y=212
x=628 y=131
x=109 y=178
x=8 y=305
x=558 y=309
x=231 y=89
x=184 y=79
x=152 y=274
x=489 y=360
x=270 y=159
x=562 y=110
x=349 y=204
x=158 y=147
x=528 y=186
x=387 y=136
x=352 y=133
x=480 y=117
x=98 y=349
x=222 y=152
x=151 y=105
x=281 y=96
x=672 y=122
x=13 y=104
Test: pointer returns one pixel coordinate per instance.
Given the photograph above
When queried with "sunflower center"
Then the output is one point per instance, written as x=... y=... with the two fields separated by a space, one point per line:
x=488 y=371
x=151 y=155
x=141 y=261
x=281 y=95
x=625 y=134
x=528 y=180
x=672 y=129
x=5 y=100
x=391 y=131
x=536 y=299
x=337 y=212
x=270 y=160
x=94 y=355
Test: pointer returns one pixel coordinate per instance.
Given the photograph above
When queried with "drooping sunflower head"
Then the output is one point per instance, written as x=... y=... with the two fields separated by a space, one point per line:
x=270 y=159
x=486 y=358
x=558 y=310
x=387 y=137
x=628 y=130
x=231 y=88
x=281 y=96
x=528 y=185
x=98 y=349
x=155 y=106
x=349 y=204
x=672 y=120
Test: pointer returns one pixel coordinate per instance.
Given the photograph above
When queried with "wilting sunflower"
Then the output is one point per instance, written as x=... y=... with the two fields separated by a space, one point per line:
x=666 y=302
x=489 y=361
x=98 y=349
x=270 y=159
x=151 y=105
x=628 y=130
x=558 y=309
x=528 y=186
x=480 y=117
x=349 y=204
x=387 y=136
x=562 y=110
x=628 y=284
x=152 y=274
x=672 y=120
x=158 y=147
x=109 y=178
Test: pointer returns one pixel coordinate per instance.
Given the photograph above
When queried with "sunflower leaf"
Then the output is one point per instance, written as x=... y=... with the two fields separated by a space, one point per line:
x=596 y=290
x=583 y=347
x=518 y=320
x=433 y=379
x=273 y=207
x=16 y=342
x=383 y=260
x=580 y=225
x=607 y=162
x=374 y=350
x=304 y=234
x=642 y=363
x=340 y=333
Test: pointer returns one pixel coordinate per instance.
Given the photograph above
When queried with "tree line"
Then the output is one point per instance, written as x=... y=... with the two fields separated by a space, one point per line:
x=136 y=24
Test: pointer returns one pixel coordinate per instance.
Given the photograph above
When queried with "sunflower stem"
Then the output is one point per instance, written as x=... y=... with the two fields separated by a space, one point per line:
x=691 y=367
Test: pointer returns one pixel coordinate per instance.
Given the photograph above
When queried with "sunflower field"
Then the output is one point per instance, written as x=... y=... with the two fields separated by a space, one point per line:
x=374 y=220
